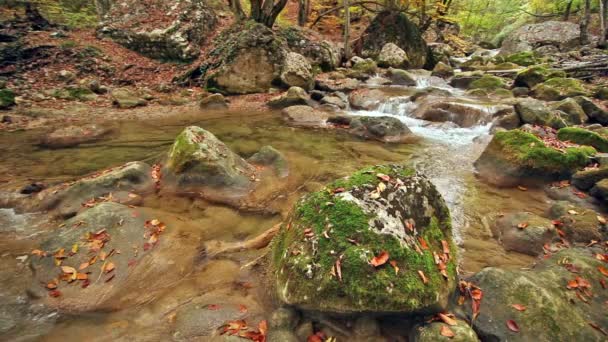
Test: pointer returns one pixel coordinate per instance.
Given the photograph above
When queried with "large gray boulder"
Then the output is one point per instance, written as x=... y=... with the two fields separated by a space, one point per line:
x=554 y=311
x=297 y=71
x=305 y=116
x=563 y=35
x=178 y=35
x=198 y=161
x=386 y=129
x=524 y=232
x=392 y=56
x=340 y=248
x=441 y=109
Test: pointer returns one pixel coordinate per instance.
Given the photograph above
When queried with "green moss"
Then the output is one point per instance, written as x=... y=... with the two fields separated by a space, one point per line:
x=362 y=284
x=524 y=58
x=582 y=136
x=488 y=82
x=367 y=66
x=537 y=74
x=74 y=93
x=7 y=98
x=525 y=148
x=181 y=152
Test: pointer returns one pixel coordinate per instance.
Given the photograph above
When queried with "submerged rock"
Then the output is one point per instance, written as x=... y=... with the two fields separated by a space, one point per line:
x=441 y=109
x=516 y=157
x=305 y=116
x=269 y=156
x=321 y=256
x=115 y=184
x=382 y=128
x=213 y=101
x=366 y=99
x=550 y=314
x=198 y=161
x=71 y=136
x=509 y=230
x=579 y=224
x=103 y=260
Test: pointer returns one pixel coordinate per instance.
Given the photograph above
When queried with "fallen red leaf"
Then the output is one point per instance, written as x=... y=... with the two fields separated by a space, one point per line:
x=242 y=308
x=55 y=293
x=447 y=319
x=394 y=264
x=512 y=325
x=380 y=259
x=423 y=243
x=603 y=270
x=598 y=328
x=446 y=331
x=213 y=307
x=519 y=307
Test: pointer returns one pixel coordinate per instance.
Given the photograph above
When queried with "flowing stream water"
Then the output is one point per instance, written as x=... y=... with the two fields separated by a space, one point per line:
x=444 y=153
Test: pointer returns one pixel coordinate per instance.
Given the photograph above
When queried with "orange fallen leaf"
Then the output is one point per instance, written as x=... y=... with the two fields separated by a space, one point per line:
x=446 y=331
x=423 y=243
x=383 y=177
x=380 y=259
x=242 y=308
x=601 y=219
x=68 y=269
x=603 y=270
x=447 y=319
x=83 y=266
x=519 y=307
x=423 y=277
x=109 y=267
x=512 y=325
x=394 y=264
x=522 y=188
x=476 y=294
x=522 y=225
x=38 y=253
x=572 y=284
x=446 y=247
x=338 y=267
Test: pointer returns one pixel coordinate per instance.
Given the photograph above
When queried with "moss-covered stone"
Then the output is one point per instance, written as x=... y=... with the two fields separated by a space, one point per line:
x=431 y=332
x=270 y=156
x=488 y=82
x=559 y=88
x=515 y=157
x=582 y=136
x=537 y=74
x=351 y=220
x=7 y=98
x=524 y=58
x=366 y=66
x=578 y=224
x=553 y=312
x=574 y=112
x=586 y=179
x=74 y=94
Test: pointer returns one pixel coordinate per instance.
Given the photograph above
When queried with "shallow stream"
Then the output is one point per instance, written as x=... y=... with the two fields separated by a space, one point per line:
x=445 y=154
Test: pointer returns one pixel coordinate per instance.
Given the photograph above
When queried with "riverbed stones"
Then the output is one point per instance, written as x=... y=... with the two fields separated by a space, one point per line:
x=578 y=223
x=443 y=70
x=576 y=114
x=553 y=312
x=537 y=74
x=365 y=215
x=401 y=77
x=392 y=56
x=198 y=161
x=213 y=102
x=106 y=245
x=595 y=111
x=297 y=71
x=122 y=184
x=304 y=116
x=516 y=157
x=431 y=332
x=71 y=136
x=535 y=112
x=366 y=99
x=293 y=97
x=523 y=232
x=269 y=156
x=586 y=179
x=442 y=109
x=126 y=98
x=558 y=88
x=386 y=129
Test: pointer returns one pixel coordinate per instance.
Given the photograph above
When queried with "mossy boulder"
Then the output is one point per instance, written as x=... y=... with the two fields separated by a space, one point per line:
x=586 y=179
x=537 y=74
x=578 y=224
x=322 y=256
x=535 y=112
x=516 y=157
x=198 y=160
x=524 y=58
x=558 y=88
x=488 y=82
x=595 y=111
x=74 y=93
x=582 y=136
x=7 y=98
x=576 y=114
x=366 y=66
x=600 y=190
x=395 y=27
x=528 y=240
x=553 y=312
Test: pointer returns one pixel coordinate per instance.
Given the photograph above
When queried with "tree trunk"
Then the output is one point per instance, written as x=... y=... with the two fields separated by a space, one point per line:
x=266 y=11
x=602 y=42
x=347 y=30
x=585 y=23
x=568 y=10
x=303 y=12
x=237 y=9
